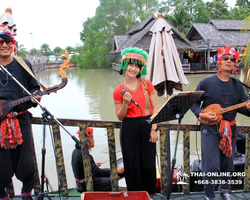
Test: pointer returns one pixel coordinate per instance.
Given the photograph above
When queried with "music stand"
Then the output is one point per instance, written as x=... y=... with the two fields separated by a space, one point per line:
x=175 y=108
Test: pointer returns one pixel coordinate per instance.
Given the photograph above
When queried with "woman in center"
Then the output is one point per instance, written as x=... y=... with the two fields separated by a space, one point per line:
x=138 y=137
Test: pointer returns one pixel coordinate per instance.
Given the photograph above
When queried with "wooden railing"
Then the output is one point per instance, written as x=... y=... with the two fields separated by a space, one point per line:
x=185 y=129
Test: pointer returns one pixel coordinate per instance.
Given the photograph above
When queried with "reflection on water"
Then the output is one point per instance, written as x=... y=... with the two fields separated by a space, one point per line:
x=88 y=95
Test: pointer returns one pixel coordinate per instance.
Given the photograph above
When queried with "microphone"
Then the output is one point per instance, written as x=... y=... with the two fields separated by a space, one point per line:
x=123 y=92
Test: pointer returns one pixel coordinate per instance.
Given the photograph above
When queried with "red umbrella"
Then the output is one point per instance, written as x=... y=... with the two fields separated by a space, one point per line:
x=164 y=66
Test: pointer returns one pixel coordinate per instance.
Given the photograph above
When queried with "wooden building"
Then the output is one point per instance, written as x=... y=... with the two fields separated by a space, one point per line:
x=139 y=36
x=207 y=37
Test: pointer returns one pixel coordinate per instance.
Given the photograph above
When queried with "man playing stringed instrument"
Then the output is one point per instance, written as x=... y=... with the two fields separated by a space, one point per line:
x=16 y=147
x=218 y=128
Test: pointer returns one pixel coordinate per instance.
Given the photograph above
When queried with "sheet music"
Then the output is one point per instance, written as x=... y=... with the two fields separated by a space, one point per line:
x=178 y=103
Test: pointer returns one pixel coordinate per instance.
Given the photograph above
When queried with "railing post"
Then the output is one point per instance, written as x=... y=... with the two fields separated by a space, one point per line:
x=59 y=158
x=86 y=157
x=164 y=133
x=247 y=164
x=112 y=158
x=186 y=161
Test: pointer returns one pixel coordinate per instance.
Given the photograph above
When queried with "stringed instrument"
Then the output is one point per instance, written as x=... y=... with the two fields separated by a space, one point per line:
x=7 y=106
x=218 y=111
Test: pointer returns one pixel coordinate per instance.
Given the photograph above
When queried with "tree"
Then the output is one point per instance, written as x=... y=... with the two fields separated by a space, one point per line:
x=112 y=17
x=242 y=3
x=181 y=13
x=32 y=52
x=45 y=48
x=69 y=49
x=180 y=19
x=218 y=9
x=21 y=51
x=240 y=13
x=57 y=50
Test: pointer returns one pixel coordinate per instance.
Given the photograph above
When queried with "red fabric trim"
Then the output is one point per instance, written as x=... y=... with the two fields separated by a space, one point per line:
x=226 y=134
x=10 y=134
x=80 y=181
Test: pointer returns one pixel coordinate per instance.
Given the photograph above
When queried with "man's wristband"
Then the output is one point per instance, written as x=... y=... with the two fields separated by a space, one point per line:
x=154 y=129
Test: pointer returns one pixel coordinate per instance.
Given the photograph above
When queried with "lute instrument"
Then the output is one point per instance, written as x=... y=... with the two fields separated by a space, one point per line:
x=218 y=111
x=7 y=106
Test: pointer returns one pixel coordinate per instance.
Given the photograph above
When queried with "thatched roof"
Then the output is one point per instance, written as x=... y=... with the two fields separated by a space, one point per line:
x=219 y=33
x=140 y=37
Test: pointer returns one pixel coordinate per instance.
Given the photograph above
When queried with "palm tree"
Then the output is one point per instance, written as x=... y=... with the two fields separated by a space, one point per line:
x=178 y=175
x=45 y=48
x=180 y=19
x=21 y=51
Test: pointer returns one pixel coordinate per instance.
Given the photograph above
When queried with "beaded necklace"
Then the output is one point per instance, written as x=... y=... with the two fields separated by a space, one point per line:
x=7 y=77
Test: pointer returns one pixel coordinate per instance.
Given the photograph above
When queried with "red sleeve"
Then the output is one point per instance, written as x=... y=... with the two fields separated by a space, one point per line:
x=151 y=88
x=117 y=96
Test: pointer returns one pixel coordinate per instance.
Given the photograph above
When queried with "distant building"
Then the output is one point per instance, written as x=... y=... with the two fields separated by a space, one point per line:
x=207 y=37
x=218 y=33
x=139 y=36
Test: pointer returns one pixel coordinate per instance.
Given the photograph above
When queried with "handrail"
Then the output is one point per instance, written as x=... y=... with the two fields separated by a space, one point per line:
x=111 y=126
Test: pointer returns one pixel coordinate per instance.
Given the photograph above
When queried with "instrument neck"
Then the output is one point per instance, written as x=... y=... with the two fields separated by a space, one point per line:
x=224 y=110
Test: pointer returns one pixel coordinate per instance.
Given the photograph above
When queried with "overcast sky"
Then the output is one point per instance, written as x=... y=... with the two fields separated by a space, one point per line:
x=54 y=22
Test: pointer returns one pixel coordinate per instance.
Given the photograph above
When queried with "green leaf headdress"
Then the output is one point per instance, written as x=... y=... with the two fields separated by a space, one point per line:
x=134 y=55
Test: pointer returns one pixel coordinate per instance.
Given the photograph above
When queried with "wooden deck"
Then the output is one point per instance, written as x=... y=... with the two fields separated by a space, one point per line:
x=186 y=130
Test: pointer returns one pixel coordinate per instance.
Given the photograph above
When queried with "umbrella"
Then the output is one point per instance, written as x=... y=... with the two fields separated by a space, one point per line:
x=165 y=72
x=164 y=66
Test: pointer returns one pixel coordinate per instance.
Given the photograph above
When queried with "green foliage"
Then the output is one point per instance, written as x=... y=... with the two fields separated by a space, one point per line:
x=182 y=13
x=32 y=51
x=73 y=59
x=69 y=49
x=218 y=9
x=57 y=50
x=21 y=51
x=113 y=17
x=242 y=3
x=240 y=13
x=116 y=17
x=45 y=48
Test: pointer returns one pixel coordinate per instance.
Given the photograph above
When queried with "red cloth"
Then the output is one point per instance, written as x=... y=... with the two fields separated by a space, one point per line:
x=10 y=134
x=226 y=134
x=139 y=96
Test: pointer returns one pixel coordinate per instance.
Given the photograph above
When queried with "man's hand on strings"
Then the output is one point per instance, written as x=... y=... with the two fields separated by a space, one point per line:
x=209 y=116
x=38 y=97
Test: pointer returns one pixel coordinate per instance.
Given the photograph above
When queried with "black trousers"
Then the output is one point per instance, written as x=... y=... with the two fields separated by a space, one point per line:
x=138 y=155
x=213 y=159
x=18 y=161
